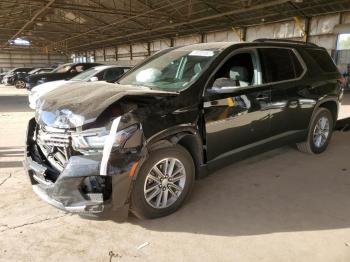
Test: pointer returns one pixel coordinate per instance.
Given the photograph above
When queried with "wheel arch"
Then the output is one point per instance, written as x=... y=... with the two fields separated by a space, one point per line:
x=193 y=144
x=331 y=104
x=187 y=137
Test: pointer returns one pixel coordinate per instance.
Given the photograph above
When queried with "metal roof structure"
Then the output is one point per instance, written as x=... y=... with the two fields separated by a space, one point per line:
x=77 y=25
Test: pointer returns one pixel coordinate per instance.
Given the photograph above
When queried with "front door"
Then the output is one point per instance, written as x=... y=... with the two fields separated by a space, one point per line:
x=236 y=117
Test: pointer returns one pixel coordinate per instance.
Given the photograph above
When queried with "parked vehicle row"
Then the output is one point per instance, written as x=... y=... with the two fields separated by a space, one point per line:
x=108 y=73
x=17 y=76
x=96 y=148
x=2 y=76
x=62 y=72
x=9 y=77
x=20 y=78
x=26 y=77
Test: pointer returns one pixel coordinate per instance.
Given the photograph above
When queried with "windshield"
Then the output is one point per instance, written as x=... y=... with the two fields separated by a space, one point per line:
x=33 y=71
x=46 y=70
x=172 y=71
x=86 y=75
x=62 y=68
x=11 y=71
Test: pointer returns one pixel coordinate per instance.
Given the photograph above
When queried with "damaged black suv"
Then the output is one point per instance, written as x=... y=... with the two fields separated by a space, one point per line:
x=138 y=145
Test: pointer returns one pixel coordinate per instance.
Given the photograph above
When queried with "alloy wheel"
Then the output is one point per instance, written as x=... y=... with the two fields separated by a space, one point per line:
x=164 y=183
x=321 y=132
x=20 y=84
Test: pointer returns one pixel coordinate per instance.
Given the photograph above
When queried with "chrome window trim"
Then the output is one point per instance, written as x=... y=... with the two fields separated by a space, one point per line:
x=254 y=50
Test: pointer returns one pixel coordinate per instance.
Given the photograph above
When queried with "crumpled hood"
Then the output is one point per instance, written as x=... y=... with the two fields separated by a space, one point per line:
x=77 y=104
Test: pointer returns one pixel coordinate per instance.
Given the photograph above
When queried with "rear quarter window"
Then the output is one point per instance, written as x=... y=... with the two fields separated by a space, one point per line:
x=279 y=64
x=323 y=59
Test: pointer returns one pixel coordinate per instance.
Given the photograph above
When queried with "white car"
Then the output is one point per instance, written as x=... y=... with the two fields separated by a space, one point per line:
x=42 y=89
x=108 y=73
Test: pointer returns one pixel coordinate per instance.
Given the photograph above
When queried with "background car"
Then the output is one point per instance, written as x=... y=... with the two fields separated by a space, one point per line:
x=41 y=70
x=63 y=72
x=108 y=73
x=19 y=80
x=2 y=76
x=347 y=78
x=11 y=76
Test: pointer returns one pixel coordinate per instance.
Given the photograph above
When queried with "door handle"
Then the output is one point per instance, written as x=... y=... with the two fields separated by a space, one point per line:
x=262 y=97
x=293 y=104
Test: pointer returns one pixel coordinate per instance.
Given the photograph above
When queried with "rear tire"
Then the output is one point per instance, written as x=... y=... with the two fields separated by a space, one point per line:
x=157 y=194
x=20 y=84
x=320 y=133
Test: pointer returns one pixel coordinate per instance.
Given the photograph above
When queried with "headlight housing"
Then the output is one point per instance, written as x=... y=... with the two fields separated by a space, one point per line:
x=93 y=140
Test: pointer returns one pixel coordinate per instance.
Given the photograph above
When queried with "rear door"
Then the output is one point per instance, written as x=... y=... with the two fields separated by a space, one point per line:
x=283 y=70
x=240 y=117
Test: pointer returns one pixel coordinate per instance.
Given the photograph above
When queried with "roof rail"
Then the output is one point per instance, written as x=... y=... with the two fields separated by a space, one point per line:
x=285 y=41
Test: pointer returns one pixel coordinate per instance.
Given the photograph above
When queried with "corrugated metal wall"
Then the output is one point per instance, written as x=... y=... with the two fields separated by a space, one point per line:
x=28 y=58
x=320 y=33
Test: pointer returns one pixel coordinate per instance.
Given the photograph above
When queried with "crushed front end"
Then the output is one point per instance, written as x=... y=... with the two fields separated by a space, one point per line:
x=70 y=174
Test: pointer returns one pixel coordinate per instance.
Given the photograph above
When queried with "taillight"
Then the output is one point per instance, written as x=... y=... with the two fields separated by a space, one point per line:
x=341 y=79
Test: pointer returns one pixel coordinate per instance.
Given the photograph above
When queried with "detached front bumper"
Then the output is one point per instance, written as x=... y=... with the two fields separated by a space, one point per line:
x=65 y=193
x=68 y=193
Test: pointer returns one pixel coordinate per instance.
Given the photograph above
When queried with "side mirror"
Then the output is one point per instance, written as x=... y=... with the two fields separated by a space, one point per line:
x=224 y=85
x=93 y=79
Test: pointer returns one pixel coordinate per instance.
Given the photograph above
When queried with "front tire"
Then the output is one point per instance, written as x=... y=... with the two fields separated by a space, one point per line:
x=20 y=84
x=164 y=182
x=320 y=133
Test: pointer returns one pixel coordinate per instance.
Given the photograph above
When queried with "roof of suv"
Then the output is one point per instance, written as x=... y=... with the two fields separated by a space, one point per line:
x=224 y=45
x=283 y=41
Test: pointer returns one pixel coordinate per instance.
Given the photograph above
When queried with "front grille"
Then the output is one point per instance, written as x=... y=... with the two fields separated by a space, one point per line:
x=55 y=145
x=53 y=137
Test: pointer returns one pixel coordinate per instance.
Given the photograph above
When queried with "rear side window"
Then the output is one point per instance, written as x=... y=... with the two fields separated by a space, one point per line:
x=279 y=64
x=322 y=58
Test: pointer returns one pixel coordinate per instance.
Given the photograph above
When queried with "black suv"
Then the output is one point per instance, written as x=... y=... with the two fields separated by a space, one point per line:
x=62 y=72
x=140 y=143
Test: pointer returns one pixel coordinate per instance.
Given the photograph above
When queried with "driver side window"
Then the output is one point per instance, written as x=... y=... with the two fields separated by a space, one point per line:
x=238 y=71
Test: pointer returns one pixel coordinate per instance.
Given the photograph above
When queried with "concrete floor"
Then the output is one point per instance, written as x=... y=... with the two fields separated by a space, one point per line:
x=278 y=206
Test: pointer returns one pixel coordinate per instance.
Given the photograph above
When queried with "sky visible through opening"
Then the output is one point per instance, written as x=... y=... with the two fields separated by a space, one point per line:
x=344 y=42
x=20 y=41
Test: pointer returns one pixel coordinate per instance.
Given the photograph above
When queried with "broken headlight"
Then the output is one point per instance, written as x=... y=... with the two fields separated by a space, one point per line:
x=95 y=139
